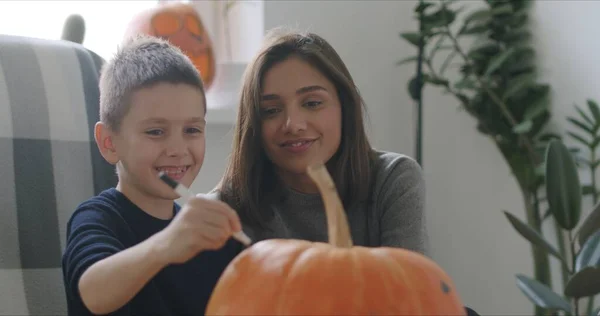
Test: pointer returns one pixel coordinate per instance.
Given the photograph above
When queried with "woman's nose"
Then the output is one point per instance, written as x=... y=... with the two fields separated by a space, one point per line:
x=295 y=121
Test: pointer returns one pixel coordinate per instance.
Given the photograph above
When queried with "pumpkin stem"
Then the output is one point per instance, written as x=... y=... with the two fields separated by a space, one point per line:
x=337 y=222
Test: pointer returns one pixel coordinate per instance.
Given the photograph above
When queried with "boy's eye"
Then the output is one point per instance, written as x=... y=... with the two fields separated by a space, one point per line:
x=154 y=132
x=193 y=130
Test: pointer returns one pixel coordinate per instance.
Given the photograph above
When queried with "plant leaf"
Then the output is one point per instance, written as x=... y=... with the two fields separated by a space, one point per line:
x=537 y=108
x=587 y=189
x=519 y=83
x=413 y=88
x=498 y=60
x=411 y=37
x=593 y=106
x=580 y=139
x=423 y=6
x=475 y=29
x=541 y=295
x=533 y=236
x=503 y=9
x=407 y=60
x=563 y=188
x=590 y=225
x=447 y=61
x=436 y=81
x=581 y=125
x=523 y=127
x=584 y=116
x=584 y=283
x=589 y=255
x=465 y=83
x=549 y=136
x=478 y=15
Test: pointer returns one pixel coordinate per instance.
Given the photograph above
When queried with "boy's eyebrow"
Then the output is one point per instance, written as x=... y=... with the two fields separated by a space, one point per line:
x=196 y=119
x=160 y=120
x=302 y=90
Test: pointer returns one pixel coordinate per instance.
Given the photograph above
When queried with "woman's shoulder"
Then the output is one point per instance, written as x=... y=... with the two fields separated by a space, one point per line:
x=395 y=172
x=387 y=163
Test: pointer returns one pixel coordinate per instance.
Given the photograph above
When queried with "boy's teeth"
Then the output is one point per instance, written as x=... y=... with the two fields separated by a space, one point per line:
x=172 y=170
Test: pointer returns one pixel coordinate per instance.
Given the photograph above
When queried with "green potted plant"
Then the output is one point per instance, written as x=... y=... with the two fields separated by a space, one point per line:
x=580 y=262
x=496 y=82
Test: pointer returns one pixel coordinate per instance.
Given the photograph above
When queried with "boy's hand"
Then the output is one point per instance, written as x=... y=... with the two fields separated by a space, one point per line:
x=201 y=224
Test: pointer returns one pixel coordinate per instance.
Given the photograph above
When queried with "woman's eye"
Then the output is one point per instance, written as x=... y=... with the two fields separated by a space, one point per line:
x=312 y=104
x=154 y=132
x=269 y=111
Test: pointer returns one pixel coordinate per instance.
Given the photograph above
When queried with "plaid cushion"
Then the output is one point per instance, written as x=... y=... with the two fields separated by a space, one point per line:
x=49 y=164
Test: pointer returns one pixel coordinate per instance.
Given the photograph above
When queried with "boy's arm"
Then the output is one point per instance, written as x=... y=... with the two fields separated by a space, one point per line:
x=107 y=275
x=110 y=283
x=97 y=266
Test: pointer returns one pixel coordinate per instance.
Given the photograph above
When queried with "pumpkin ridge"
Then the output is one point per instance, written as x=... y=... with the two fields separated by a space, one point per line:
x=359 y=278
x=290 y=266
x=396 y=271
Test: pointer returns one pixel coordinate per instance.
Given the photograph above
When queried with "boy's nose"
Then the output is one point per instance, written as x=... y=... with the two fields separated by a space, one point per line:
x=177 y=147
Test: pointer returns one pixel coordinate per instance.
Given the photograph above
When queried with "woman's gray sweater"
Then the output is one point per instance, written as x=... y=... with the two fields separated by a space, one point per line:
x=394 y=217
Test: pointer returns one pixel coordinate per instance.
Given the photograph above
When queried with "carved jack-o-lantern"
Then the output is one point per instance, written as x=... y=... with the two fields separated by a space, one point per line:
x=180 y=24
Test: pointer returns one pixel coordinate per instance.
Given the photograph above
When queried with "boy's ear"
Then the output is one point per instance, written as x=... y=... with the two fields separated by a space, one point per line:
x=104 y=139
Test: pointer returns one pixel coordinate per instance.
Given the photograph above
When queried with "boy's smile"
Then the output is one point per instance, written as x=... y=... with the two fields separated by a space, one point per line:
x=174 y=172
x=162 y=131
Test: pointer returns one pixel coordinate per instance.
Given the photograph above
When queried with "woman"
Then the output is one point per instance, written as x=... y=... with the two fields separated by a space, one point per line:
x=299 y=105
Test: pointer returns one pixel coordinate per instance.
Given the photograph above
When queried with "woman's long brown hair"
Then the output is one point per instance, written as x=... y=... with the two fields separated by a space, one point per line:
x=250 y=184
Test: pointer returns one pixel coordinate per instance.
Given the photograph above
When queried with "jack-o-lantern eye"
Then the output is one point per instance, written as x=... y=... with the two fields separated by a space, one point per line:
x=166 y=23
x=193 y=25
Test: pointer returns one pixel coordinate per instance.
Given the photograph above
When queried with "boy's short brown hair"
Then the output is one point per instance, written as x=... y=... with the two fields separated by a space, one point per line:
x=140 y=63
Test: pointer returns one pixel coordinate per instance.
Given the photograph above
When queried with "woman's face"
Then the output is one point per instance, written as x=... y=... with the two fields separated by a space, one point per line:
x=301 y=117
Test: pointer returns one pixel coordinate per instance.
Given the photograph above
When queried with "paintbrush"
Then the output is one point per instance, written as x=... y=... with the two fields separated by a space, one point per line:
x=183 y=191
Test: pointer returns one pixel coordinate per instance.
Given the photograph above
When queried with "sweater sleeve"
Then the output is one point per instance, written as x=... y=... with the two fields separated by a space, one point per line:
x=91 y=237
x=402 y=202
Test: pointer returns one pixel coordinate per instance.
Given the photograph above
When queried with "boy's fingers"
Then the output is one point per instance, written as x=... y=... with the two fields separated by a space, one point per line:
x=220 y=207
x=234 y=219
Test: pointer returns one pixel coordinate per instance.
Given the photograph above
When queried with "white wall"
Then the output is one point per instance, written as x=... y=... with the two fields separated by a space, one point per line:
x=468 y=183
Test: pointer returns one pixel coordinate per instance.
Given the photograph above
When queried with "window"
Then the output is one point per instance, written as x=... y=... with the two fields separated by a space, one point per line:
x=235 y=27
x=105 y=21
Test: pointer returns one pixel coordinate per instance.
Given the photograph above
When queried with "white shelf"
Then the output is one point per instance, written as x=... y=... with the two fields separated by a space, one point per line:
x=221 y=116
x=222 y=97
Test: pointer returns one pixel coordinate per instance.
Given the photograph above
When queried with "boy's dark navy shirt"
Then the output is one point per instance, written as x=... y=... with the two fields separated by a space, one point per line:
x=109 y=223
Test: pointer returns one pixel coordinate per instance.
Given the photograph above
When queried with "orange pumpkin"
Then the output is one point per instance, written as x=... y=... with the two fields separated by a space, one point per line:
x=180 y=24
x=296 y=277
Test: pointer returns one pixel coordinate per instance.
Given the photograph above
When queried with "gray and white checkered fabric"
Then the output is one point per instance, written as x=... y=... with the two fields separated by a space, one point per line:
x=49 y=164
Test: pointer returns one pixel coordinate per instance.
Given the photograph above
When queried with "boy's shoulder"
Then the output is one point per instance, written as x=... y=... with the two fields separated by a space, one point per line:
x=103 y=207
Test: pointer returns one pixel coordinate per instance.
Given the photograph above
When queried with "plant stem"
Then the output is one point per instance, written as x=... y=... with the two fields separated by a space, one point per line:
x=575 y=301
x=541 y=262
x=590 y=306
x=560 y=236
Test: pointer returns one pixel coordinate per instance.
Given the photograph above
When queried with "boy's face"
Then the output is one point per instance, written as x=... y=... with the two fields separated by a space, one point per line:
x=163 y=131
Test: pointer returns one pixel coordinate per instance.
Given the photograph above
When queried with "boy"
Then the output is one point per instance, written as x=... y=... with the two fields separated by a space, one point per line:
x=131 y=250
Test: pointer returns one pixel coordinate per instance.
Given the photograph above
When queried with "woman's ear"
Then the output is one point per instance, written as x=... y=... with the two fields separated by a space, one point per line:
x=104 y=140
